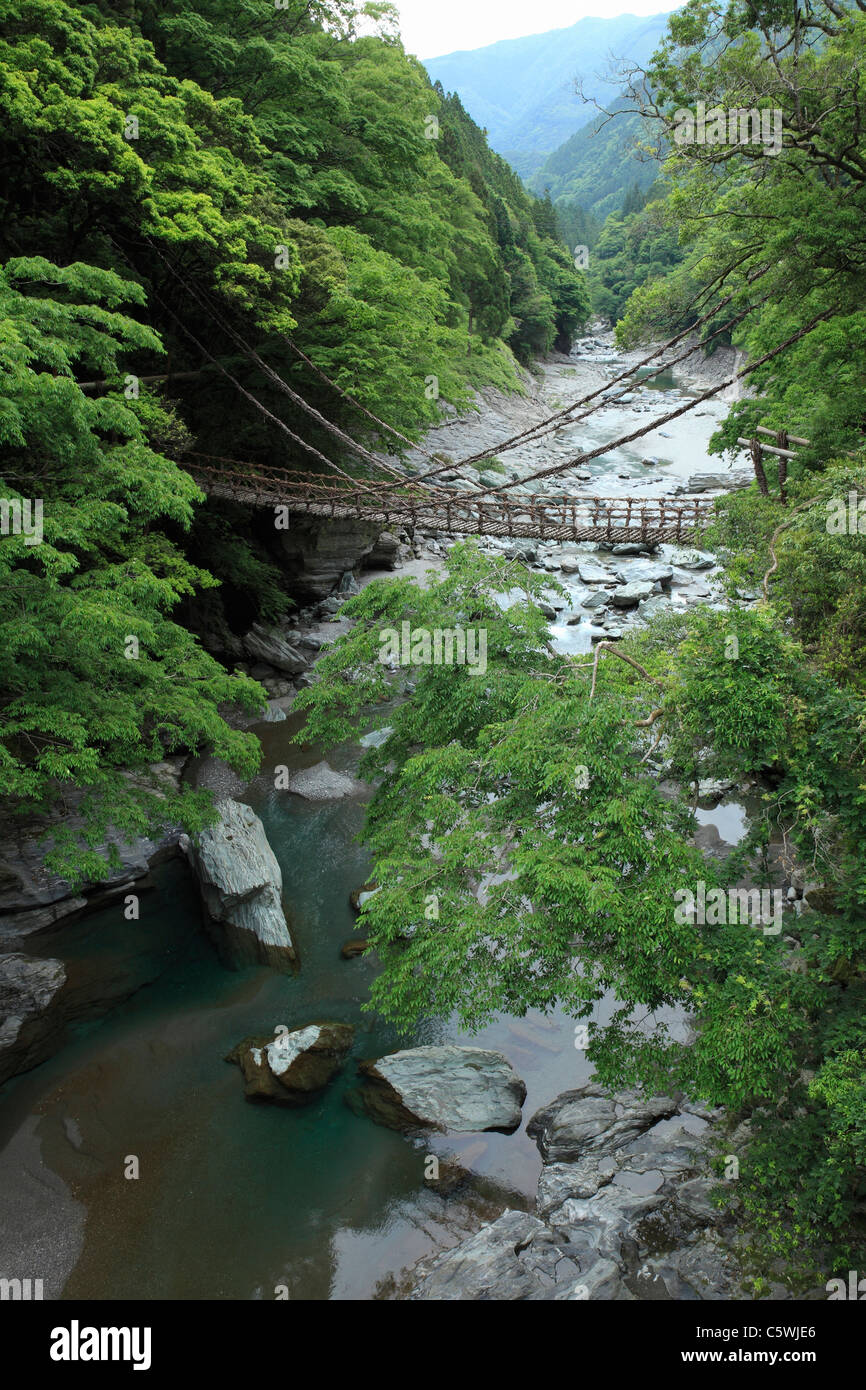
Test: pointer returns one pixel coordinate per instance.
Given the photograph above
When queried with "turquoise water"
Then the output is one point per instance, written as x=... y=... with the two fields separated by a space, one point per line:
x=235 y=1200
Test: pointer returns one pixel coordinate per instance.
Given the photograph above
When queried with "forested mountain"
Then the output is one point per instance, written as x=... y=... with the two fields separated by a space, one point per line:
x=595 y=167
x=177 y=181
x=523 y=92
x=636 y=245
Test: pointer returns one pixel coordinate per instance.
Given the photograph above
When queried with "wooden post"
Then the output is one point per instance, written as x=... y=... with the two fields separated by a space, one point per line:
x=757 y=454
x=782 y=441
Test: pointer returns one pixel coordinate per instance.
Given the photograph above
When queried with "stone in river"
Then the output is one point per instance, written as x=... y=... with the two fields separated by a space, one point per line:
x=241 y=888
x=630 y=595
x=359 y=896
x=292 y=1067
x=444 y=1087
x=693 y=559
x=355 y=946
x=649 y=607
x=649 y=570
x=597 y=599
x=593 y=574
x=322 y=783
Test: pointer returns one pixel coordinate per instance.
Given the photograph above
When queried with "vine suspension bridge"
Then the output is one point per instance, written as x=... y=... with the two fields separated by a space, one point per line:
x=400 y=499
x=569 y=517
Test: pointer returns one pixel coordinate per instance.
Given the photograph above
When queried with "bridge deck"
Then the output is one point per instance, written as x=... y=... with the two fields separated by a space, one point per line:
x=568 y=517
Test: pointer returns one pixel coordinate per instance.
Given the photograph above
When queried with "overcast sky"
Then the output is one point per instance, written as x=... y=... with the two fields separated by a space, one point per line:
x=433 y=27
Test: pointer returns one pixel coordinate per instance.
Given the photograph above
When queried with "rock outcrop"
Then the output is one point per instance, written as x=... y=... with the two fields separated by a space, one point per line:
x=34 y=898
x=623 y=1212
x=30 y=1019
x=446 y=1088
x=294 y=1067
x=241 y=889
x=317 y=553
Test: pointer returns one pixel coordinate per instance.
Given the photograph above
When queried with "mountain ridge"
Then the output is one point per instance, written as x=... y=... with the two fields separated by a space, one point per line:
x=499 y=84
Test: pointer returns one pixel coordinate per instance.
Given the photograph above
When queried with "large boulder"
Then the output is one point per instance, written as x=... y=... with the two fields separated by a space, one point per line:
x=272 y=646
x=647 y=572
x=241 y=889
x=693 y=559
x=30 y=1019
x=322 y=783
x=385 y=553
x=294 y=1067
x=592 y=1118
x=317 y=552
x=593 y=574
x=630 y=595
x=446 y=1087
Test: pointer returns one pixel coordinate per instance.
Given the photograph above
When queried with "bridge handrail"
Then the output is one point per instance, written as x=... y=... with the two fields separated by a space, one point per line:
x=312 y=488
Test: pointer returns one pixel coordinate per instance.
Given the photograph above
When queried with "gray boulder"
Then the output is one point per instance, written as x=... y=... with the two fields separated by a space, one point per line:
x=630 y=595
x=272 y=646
x=650 y=571
x=591 y=1118
x=447 y=1087
x=241 y=889
x=385 y=553
x=693 y=559
x=593 y=574
x=322 y=783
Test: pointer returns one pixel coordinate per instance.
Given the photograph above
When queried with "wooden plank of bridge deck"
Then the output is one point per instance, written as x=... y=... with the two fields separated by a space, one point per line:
x=533 y=522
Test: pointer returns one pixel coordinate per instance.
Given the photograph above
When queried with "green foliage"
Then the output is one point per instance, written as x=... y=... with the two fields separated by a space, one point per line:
x=97 y=679
x=526 y=857
x=174 y=174
x=636 y=247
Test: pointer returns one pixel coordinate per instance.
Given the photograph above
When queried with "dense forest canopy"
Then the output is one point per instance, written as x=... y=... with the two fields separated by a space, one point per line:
x=176 y=179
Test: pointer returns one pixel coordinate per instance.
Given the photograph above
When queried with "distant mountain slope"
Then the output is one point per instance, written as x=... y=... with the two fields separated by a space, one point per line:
x=597 y=165
x=522 y=90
